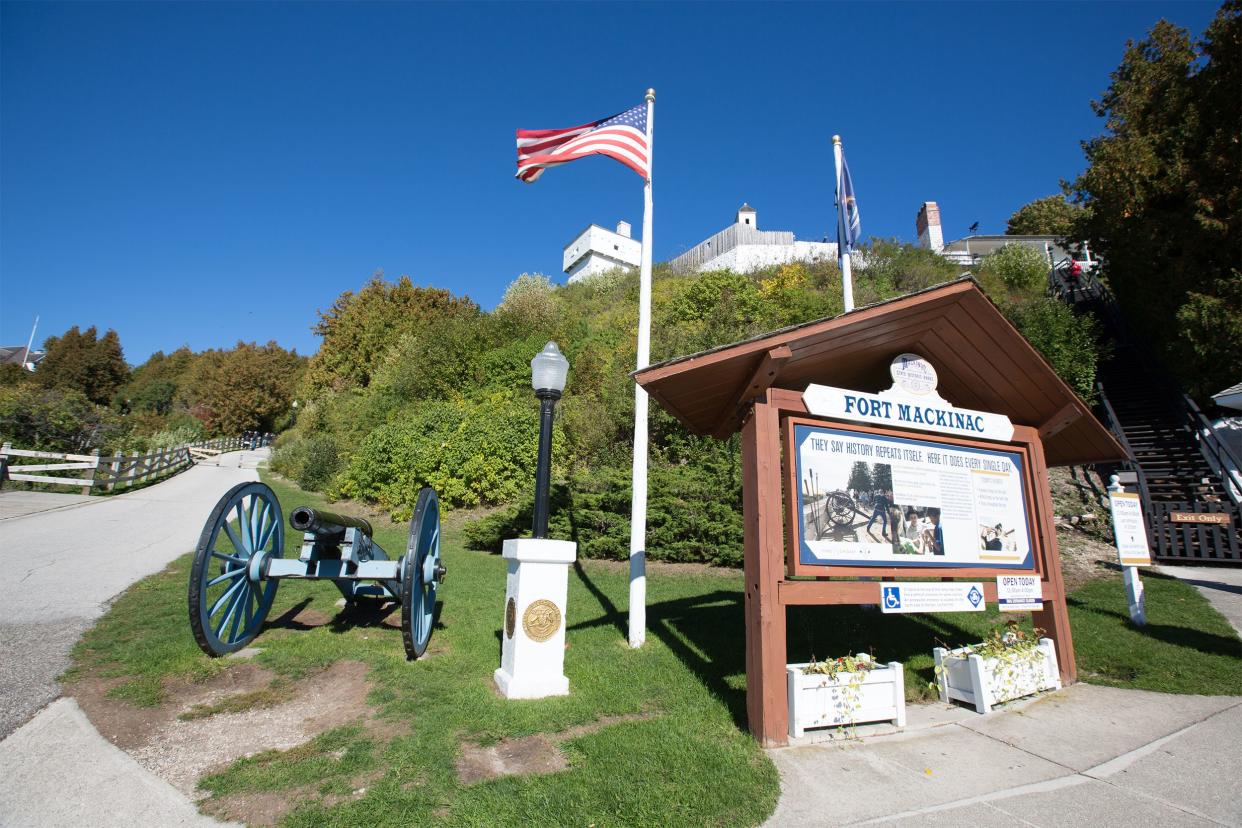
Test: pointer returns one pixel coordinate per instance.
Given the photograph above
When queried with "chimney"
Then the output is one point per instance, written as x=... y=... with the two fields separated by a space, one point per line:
x=623 y=229
x=928 y=226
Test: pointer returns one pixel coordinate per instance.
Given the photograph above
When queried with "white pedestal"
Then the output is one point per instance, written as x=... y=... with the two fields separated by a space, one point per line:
x=532 y=661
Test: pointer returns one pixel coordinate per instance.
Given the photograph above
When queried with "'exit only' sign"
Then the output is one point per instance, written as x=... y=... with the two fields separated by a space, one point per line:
x=1200 y=517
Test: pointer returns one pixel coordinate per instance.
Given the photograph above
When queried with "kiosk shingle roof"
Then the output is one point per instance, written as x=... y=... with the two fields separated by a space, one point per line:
x=981 y=360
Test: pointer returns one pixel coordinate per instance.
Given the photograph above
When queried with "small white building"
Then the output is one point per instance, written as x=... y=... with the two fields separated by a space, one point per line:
x=968 y=251
x=597 y=250
x=743 y=247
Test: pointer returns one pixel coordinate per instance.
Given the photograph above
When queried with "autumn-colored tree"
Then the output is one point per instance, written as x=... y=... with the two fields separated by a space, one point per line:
x=1049 y=216
x=249 y=387
x=359 y=328
x=83 y=361
x=1164 y=188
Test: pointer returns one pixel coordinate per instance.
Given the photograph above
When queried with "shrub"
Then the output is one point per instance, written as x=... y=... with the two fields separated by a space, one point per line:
x=1067 y=341
x=55 y=419
x=471 y=451
x=1019 y=267
x=694 y=514
x=178 y=435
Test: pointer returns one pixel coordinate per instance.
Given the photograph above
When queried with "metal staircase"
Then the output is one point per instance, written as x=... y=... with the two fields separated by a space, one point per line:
x=1192 y=515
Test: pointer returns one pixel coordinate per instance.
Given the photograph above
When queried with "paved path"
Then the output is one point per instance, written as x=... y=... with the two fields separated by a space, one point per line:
x=1221 y=585
x=1088 y=756
x=65 y=558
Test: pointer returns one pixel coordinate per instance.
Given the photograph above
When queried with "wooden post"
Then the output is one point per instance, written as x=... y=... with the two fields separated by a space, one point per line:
x=115 y=470
x=767 y=703
x=133 y=469
x=89 y=477
x=1054 y=618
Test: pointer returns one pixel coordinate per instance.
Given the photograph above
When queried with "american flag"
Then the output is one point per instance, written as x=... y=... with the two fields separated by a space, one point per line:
x=623 y=137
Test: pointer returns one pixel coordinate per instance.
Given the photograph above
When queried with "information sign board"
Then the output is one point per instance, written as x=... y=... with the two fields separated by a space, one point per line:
x=1129 y=529
x=930 y=596
x=1019 y=593
x=875 y=500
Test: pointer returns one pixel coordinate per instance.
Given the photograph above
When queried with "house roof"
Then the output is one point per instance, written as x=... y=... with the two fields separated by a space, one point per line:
x=981 y=360
x=1231 y=397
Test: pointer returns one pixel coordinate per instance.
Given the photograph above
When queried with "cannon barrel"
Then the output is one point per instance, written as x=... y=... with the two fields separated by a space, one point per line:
x=328 y=526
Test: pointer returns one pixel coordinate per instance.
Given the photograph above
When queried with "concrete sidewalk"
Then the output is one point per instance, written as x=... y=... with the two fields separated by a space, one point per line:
x=66 y=557
x=58 y=771
x=1086 y=755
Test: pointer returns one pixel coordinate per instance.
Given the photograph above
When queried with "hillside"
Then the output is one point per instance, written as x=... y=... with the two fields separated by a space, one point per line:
x=413 y=386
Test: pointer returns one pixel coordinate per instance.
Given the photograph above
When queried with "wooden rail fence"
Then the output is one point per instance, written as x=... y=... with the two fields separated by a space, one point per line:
x=99 y=472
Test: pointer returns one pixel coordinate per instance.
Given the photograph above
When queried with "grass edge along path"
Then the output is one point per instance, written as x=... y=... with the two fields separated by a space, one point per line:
x=675 y=751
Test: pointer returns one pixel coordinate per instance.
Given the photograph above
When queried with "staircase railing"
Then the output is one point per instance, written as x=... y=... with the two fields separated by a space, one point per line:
x=1114 y=425
x=1212 y=447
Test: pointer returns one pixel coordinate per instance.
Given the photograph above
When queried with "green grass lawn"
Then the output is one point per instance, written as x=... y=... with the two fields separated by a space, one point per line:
x=680 y=755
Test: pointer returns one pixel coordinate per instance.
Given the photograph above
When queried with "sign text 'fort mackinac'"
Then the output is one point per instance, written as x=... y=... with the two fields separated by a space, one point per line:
x=906 y=411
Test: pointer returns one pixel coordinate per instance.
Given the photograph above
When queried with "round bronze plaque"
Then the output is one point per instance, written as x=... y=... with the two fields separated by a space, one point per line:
x=510 y=618
x=541 y=620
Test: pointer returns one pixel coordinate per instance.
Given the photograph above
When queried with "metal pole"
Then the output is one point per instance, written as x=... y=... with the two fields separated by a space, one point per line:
x=29 y=342
x=543 y=468
x=847 y=274
x=638 y=494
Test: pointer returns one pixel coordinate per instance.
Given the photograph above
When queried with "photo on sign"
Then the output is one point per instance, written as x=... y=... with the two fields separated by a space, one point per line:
x=885 y=501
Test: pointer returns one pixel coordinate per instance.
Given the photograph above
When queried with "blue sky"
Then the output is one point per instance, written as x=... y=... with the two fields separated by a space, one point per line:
x=202 y=173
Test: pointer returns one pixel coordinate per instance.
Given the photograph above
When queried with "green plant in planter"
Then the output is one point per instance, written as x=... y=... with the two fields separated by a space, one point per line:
x=1013 y=654
x=854 y=666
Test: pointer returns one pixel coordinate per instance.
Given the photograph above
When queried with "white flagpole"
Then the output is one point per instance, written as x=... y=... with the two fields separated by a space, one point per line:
x=638 y=494
x=847 y=275
x=29 y=342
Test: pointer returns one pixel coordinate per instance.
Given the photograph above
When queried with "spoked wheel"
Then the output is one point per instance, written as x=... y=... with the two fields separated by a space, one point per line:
x=421 y=574
x=228 y=597
x=841 y=509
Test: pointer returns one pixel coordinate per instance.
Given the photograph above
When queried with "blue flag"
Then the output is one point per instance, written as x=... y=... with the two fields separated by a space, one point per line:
x=849 y=229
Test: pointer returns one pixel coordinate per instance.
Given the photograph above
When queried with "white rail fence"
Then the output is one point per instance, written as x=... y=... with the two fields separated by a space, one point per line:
x=109 y=472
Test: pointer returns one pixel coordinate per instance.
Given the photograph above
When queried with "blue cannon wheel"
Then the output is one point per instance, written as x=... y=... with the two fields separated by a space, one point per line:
x=229 y=597
x=421 y=574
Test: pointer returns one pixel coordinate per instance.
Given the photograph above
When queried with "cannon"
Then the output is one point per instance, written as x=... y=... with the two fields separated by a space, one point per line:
x=239 y=562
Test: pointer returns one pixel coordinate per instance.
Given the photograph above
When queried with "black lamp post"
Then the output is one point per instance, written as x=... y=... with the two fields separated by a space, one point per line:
x=547 y=376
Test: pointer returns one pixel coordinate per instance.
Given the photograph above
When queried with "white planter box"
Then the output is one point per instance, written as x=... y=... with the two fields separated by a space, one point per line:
x=985 y=682
x=816 y=700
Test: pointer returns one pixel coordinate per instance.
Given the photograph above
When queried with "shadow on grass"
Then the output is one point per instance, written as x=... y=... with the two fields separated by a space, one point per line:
x=1196 y=640
x=707 y=633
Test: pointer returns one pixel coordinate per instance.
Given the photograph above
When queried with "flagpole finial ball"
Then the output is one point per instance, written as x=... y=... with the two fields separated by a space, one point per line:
x=651 y=94
x=836 y=139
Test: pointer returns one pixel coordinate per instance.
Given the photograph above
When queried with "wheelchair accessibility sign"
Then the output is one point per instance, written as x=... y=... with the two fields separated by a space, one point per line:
x=919 y=596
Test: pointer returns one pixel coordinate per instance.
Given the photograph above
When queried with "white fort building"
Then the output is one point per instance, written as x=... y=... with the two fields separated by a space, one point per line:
x=740 y=247
x=743 y=247
x=597 y=250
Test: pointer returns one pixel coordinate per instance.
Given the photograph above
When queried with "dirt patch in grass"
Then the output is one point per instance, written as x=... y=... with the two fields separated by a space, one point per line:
x=240 y=712
x=531 y=755
x=128 y=726
x=1083 y=557
x=263 y=808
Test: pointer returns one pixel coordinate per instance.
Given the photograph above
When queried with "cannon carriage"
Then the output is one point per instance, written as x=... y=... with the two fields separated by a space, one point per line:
x=239 y=562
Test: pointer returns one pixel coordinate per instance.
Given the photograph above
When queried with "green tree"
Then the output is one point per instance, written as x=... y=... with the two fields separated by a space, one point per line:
x=360 y=328
x=860 y=477
x=1048 y=216
x=1164 y=188
x=85 y=362
x=153 y=386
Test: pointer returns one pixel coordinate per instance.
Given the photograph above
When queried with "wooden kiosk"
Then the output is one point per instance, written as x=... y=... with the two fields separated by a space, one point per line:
x=981 y=367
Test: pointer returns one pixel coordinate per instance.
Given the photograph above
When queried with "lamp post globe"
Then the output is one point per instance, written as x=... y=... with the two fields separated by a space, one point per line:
x=548 y=371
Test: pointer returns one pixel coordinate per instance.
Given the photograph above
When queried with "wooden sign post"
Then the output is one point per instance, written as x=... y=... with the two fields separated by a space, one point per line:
x=974 y=478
